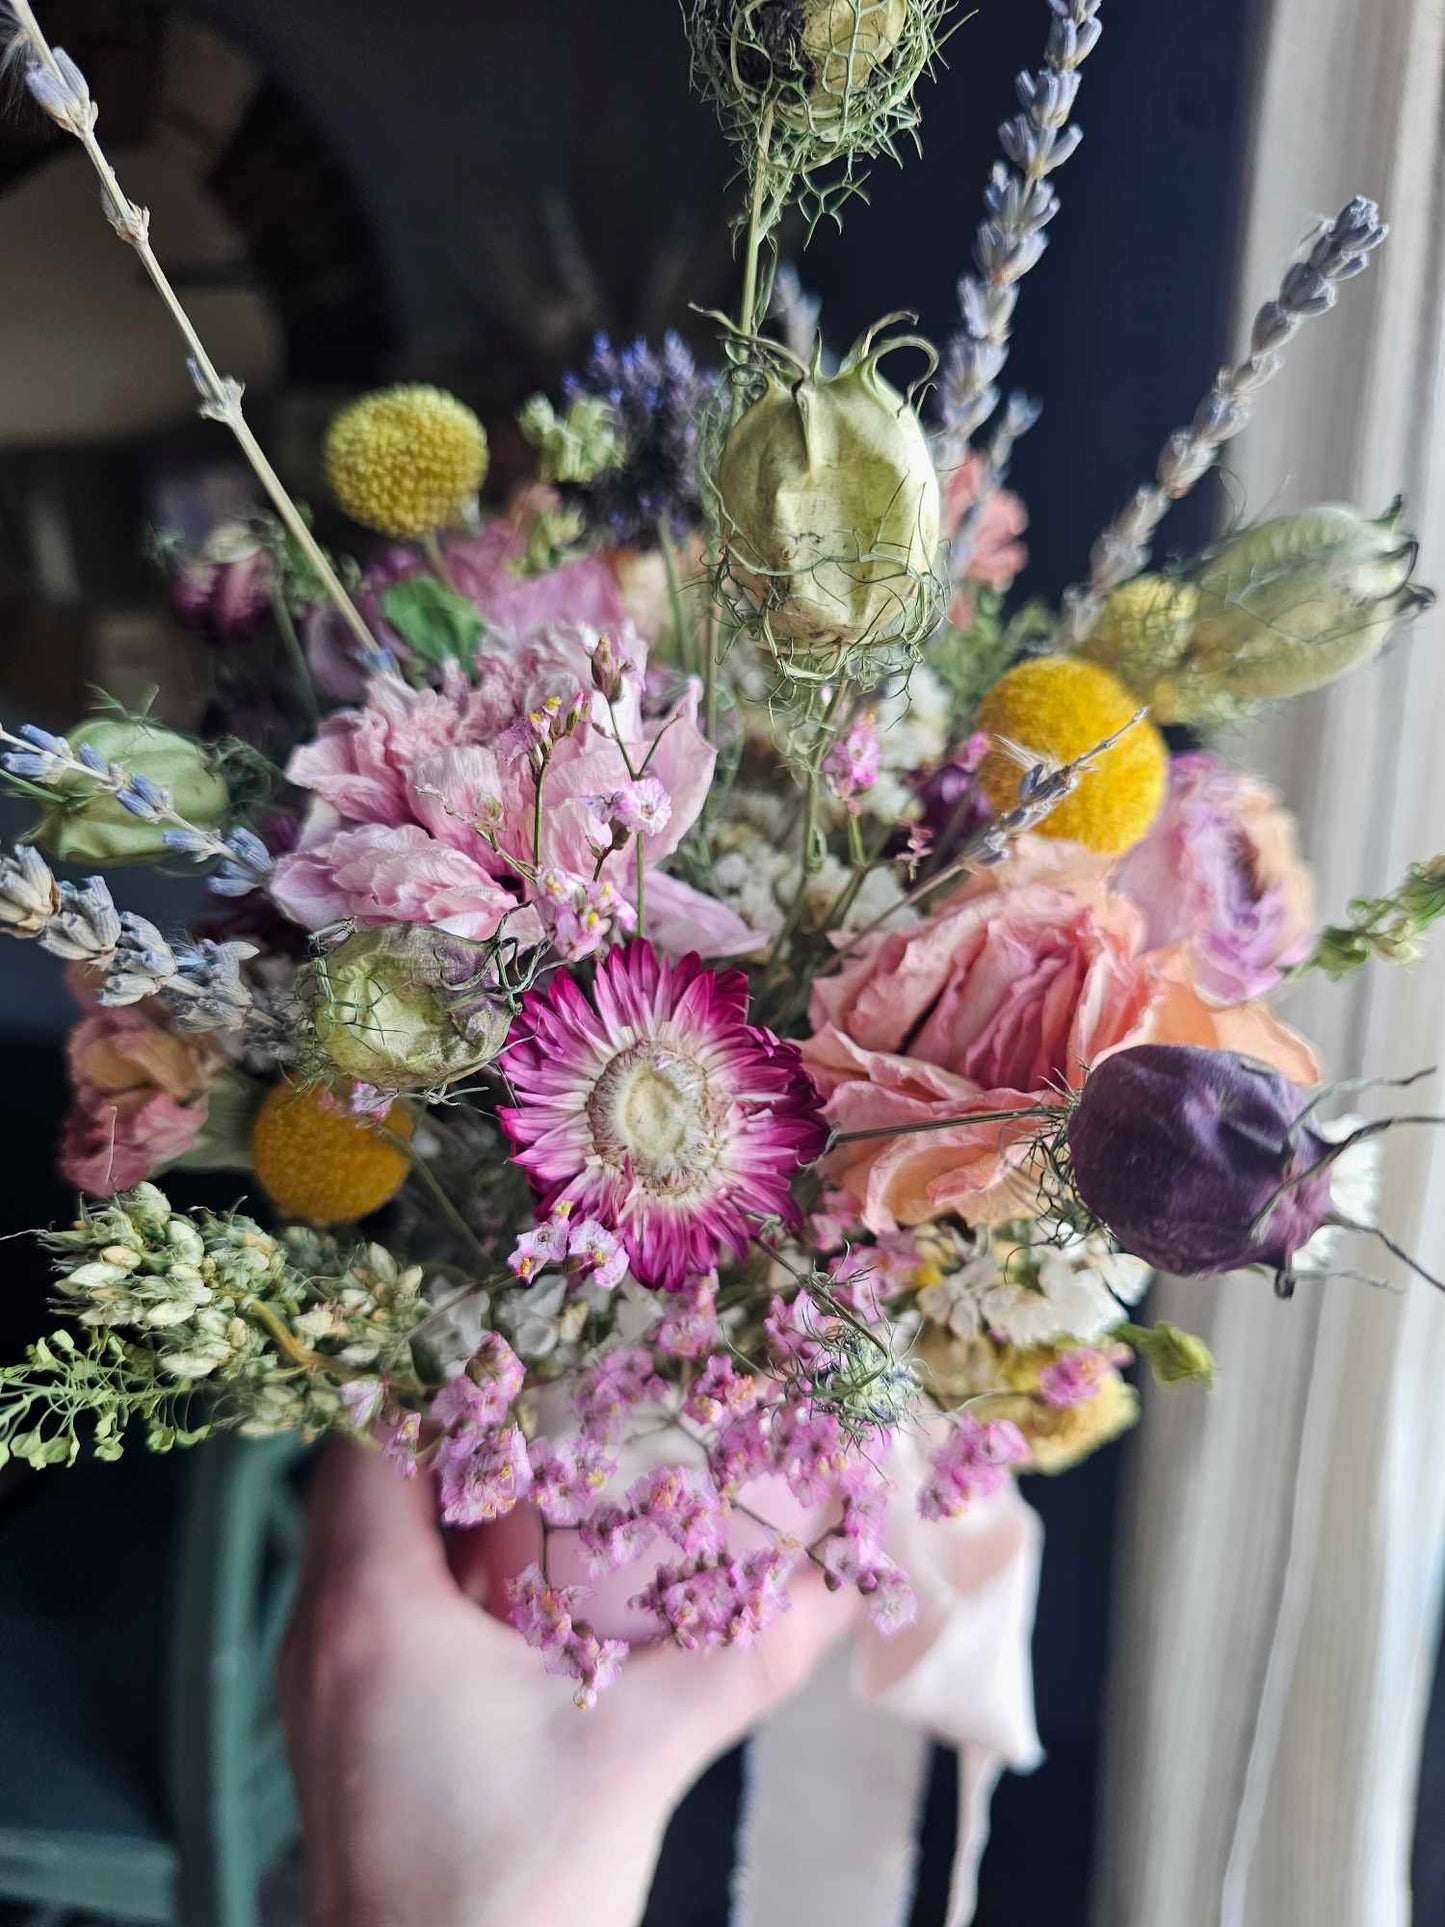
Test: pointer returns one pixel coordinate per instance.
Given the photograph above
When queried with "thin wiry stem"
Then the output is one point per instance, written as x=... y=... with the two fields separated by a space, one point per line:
x=60 y=89
x=1340 y=252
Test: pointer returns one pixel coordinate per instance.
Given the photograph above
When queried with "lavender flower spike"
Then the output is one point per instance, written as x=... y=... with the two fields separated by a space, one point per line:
x=1018 y=207
x=1309 y=287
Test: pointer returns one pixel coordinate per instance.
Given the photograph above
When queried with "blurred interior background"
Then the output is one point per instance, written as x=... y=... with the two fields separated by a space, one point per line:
x=347 y=193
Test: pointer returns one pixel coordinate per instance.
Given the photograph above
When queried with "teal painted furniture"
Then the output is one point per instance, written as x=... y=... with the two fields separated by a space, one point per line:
x=142 y=1775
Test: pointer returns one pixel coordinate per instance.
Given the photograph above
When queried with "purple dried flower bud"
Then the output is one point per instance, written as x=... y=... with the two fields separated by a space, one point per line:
x=1197 y=1160
x=229 y=584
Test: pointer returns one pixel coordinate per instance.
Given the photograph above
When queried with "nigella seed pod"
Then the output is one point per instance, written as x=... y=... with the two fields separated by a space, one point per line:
x=167 y=772
x=1198 y=1160
x=844 y=41
x=829 y=509
x=810 y=57
x=393 y=1007
x=1293 y=604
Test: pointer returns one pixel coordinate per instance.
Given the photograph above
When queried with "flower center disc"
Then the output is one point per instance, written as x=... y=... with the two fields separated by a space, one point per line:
x=650 y=1108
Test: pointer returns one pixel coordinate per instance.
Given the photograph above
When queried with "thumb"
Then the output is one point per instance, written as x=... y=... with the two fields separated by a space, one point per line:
x=366 y=1521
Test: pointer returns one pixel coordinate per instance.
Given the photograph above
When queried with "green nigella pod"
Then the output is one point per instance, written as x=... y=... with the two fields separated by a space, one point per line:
x=400 y=1008
x=80 y=826
x=845 y=40
x=1292 y=604
x=828 y=502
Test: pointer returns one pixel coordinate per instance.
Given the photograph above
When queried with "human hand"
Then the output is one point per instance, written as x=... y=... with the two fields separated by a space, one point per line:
x=444 y=1779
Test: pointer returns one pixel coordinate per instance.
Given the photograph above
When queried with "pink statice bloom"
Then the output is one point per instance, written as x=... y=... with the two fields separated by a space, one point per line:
x=853 y=1555
x=672 y=1500
x=813 y=1454
x=688 y=1327
x=973 y=1463
x=613 y=1536
x=545 y=1244
x=579 y=914
x=607 y=1394
x=426 y=810
x=599 y=1252
x=482 y=1394
x=1079 y=1375
x=481 y=1474
x=741 y=1452
x=568 y=1475
x=638 y=808
x=852 y=764
x=400 y=1440
x=719 y=1392
x=546 y=1617
x=724 y=1602
x=658 y=1109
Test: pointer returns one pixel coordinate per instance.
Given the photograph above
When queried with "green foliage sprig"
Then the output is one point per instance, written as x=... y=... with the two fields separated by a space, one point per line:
x=194 y=1320
x=1389 y=927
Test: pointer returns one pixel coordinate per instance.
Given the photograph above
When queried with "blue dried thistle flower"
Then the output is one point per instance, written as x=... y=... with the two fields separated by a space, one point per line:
x=656 y=397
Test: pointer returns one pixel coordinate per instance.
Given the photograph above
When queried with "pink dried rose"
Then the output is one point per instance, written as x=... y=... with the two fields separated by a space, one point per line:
x=1220 y=874
x=138 y=1098
x=999 y=1002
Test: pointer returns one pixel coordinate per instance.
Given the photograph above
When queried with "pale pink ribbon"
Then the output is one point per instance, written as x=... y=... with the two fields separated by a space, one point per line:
x=835 y=1778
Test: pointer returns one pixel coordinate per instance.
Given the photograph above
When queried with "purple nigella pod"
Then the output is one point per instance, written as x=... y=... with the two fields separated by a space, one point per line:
x=1182 y=1151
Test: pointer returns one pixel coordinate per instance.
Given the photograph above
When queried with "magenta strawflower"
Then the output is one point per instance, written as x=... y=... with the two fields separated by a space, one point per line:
x=657 y=1109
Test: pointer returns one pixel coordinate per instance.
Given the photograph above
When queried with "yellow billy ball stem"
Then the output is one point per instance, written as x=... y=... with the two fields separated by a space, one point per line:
x=1059 y=707
x=318 y=1163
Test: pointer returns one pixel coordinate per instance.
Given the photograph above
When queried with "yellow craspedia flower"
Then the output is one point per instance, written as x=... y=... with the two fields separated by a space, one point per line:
x=1059 y=707
x=406 y=460
x=318 y=1163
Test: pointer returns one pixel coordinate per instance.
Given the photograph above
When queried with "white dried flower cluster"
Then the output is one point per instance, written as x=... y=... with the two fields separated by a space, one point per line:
x=1028 y=1283
x=755 y=872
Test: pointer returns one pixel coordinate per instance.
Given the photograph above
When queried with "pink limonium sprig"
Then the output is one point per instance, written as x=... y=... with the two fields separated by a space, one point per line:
x=60 y=89
x=973 y=1463
x=1310 y=287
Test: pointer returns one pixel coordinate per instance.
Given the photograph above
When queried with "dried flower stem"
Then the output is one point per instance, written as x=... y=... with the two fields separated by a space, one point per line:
x=442 y=1198
x=1309 y=287
x=295 y=656
x=1011 y=238
x=59 y=87
x=1042 y=789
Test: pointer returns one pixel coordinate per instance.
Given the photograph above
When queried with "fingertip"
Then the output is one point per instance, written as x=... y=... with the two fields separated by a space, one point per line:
x=362 y=1512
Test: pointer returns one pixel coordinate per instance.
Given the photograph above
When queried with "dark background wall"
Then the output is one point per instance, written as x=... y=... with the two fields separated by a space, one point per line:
x=520 y=143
